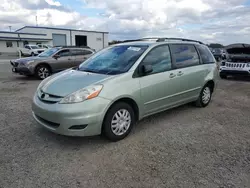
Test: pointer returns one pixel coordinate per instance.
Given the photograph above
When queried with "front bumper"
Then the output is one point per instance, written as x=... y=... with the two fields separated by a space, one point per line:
x=235 y=69
x=20 y=69
x=78 y=119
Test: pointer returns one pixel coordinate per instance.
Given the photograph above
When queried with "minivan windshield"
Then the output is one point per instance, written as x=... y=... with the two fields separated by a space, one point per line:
x=48 y=53
x=113 y=60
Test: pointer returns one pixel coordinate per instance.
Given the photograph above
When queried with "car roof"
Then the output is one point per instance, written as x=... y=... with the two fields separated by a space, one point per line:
x=154 y=43
x=74 y=48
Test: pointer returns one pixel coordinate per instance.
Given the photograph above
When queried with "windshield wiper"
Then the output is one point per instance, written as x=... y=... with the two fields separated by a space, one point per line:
x=87 y=70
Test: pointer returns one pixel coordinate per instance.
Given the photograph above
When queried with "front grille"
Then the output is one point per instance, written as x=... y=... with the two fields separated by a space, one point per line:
x=236 y=65
x=48 y=123
x=48 y=98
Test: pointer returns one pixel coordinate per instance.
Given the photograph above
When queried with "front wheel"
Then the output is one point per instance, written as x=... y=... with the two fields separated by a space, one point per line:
x=118 y=121
x=42 y=72
x=205 y=97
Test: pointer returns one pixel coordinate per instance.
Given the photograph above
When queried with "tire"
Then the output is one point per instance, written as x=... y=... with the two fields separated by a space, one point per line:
x=223 y=76
x=42 y=71
x=123 y=112
x=32 y=54
x=204 y=97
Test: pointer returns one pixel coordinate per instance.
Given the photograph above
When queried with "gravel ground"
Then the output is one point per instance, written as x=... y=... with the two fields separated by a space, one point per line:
x=183 y=147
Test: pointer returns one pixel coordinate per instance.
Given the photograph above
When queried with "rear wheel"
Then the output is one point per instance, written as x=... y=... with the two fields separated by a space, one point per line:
x=205 y=96
x=42 y=72
x=119 y=121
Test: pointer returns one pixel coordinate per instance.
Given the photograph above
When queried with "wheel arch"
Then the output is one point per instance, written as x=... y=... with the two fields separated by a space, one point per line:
x=211 y=84
x=128 y=100
x=43 y=63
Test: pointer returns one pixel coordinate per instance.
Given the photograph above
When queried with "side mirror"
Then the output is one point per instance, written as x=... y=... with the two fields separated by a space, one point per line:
x=56 y=56
x=145 y=69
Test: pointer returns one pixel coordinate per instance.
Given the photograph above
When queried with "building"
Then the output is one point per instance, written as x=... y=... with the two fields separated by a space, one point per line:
x=11 y=41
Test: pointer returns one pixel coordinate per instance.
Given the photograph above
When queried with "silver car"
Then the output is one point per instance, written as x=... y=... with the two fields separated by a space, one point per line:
x=51 y=61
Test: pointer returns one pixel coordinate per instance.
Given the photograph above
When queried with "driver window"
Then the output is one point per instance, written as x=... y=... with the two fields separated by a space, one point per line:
x=159 y=58
x=64 y=53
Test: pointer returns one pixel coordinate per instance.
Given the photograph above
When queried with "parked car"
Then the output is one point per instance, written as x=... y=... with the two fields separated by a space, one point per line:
x=51 y=61
x=237 y=61
x=45 y=46
x=218 y=53
x=108 y=93
x=31 y=50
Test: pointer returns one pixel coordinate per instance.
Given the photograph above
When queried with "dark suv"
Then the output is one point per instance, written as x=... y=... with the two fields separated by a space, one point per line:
x=51 y=61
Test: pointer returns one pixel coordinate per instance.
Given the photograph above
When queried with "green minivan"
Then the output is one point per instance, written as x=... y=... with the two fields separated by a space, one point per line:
x=119 y=85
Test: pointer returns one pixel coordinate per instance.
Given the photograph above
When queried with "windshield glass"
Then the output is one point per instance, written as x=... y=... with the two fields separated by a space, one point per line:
x=48 y=53
x=114 y=60
x=34 y=47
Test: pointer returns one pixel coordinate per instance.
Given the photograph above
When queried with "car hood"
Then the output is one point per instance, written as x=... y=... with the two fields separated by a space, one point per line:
x=27 y=59
x=69 y=81
x=239 y=49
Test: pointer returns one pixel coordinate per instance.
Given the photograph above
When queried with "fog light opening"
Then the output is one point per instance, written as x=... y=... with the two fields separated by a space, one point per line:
x=78 y=127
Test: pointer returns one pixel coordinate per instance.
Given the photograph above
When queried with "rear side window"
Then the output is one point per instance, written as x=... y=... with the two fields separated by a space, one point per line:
x=81 y=52
x=206 y=56
x=77 y=52
x=159 y=58
x=64 y=53
x=184 y=55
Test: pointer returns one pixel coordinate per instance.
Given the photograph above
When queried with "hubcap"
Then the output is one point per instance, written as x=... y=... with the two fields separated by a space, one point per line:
x=43 y=72
x=206 y=95
x=121 y=122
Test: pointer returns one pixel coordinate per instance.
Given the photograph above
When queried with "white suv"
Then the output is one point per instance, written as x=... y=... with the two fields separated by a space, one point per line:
x=31 y=50
x=237 y=61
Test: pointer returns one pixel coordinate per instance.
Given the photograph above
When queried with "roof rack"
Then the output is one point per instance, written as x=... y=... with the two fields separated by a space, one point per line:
x=158 y=39
x=182 y=39
x=73 y=46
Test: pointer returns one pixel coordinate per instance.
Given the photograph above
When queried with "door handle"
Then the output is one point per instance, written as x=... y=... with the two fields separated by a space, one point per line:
x=180 y=73
x=172 y=75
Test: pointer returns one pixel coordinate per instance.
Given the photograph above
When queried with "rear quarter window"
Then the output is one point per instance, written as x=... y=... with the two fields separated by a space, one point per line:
x=184 y=55
x=206 y=56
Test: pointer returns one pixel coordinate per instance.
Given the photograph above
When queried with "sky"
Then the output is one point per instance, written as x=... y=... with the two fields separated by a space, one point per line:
x=222 y=21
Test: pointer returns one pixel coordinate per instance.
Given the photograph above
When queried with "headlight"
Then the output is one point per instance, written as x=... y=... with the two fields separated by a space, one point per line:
x=29 y=62
x=82 y=95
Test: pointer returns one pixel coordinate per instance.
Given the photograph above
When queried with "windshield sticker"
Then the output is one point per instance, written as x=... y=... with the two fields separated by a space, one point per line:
x=134 y=48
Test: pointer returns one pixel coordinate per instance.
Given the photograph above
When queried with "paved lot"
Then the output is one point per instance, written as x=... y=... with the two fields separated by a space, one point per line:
x=184 y=147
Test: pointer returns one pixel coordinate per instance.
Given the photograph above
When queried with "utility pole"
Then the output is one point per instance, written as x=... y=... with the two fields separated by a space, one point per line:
x=36 y=21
